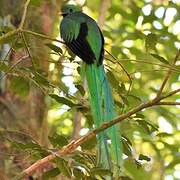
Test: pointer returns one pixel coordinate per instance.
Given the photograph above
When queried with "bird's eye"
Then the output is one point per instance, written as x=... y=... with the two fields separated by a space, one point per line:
x=71 y=10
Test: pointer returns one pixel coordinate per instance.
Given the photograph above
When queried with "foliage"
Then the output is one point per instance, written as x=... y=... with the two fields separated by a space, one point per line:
x=143 y=37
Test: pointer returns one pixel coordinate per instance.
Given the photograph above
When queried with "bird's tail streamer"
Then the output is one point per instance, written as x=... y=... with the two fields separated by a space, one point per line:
x=103 y=109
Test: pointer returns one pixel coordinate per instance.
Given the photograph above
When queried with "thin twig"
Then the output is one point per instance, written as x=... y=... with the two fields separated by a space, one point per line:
x=10 y=49
x=120 y=65
x=167 y=76
x=170 y=94
x=41 y=36
x=144 y=61
x=9 y=34
x=168 y=104
x=151 y=71
x=16 y=32
x=15 y=64
x=129 y=77
x=27 y=48
x=24 y=14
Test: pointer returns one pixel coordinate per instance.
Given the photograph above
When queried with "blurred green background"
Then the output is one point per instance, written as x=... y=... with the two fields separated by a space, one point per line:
x=44 y=106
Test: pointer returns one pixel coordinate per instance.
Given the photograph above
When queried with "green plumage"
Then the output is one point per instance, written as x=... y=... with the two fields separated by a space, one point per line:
x=82 y=35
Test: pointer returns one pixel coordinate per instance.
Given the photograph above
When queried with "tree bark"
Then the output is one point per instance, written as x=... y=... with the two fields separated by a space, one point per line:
x=27 y=114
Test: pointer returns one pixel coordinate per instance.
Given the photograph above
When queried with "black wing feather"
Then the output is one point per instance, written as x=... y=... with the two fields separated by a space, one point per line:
x=102 y=49
x=81 y=47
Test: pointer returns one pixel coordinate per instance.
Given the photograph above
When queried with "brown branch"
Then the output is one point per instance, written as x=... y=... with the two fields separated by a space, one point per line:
x=8 y=35
x=14 y=65
x=27 y=48
x=24 y=14
x=143 y=62
x=17 y=31
x=170 y=93
x=41 y=36
x=168 y=103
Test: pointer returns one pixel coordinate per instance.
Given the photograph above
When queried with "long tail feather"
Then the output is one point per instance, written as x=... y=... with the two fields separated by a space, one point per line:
x=103 y=109
x=97 y=111
x=109 y=114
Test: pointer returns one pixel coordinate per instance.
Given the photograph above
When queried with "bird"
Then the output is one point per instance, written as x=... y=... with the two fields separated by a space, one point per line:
x=82 y=35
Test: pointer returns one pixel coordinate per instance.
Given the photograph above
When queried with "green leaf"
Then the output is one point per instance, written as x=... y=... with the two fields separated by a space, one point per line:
x=138 y=164
x=4 y=67
x=40 y=79
x=79 y=70
x=80 y=159
x=81 y=89
x=153 y=126
x=18 y=45
x=62 y=100
x=140 y=116
x=58 y=140
x=135 y=97
x=5 y=29
x=32 y=147
x=164 y=134
x=35 y=2
x=149 y=127
x=161 y=59
x=51 y=174
x=144 y=125
x=113 y=80
x=55 y=48
x=125 y=100
x=20 y=86
x=28 y=145
x=100 y=171
x=134 y=171
x=122 y=88
x=143 y=157
x=126 y=147
x=90 y=144
x=9 y=38
x=78 y=173
x=63 y=167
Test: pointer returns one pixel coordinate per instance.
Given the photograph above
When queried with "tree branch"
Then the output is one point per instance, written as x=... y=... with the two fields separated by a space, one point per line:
x=168 y=103
x=144 y=62
x=19 y=29
x=170 y=94
x=15 y=64
x=9 y=34
x=24 y=14
x=41 y=36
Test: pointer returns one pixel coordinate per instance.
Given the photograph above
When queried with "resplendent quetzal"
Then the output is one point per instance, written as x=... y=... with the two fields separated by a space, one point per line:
x=84 y=38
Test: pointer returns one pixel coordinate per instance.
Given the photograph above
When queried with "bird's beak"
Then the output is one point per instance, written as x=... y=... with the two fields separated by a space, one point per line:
x=60 y=13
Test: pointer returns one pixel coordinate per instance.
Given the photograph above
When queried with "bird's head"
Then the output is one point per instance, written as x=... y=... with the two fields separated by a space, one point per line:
x=69 y=8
